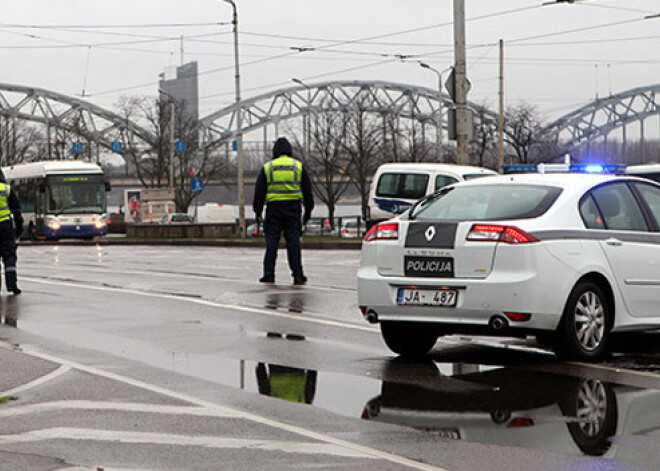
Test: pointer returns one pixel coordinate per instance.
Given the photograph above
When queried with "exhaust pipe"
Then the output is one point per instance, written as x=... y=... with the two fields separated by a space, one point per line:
x=498 y=323
x=372 y=316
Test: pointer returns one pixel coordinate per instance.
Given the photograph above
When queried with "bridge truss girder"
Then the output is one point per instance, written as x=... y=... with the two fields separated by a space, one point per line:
x=62 y=113
x=599 y=118
x=378 y=97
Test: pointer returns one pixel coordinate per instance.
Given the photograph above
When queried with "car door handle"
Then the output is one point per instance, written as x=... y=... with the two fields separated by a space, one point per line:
x=613 y=242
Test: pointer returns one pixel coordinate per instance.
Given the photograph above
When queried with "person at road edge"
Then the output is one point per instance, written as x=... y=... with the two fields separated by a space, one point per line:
x=10 y=208
x=282 y=185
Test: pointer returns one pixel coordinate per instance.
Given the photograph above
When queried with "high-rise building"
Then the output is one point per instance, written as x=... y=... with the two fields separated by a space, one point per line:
x=182 y=84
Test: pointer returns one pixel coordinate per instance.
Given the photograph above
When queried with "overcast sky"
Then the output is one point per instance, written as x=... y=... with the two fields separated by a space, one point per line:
x=60 y=45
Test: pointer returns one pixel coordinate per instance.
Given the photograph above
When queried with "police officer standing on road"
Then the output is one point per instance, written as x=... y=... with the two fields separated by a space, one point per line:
x=9 y=206
x=282 y=185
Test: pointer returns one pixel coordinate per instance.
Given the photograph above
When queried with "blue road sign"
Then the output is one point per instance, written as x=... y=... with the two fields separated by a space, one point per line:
x=117 y=147
x=197 y=185
x=180 y=146
x=77 y=147
x=234 y=145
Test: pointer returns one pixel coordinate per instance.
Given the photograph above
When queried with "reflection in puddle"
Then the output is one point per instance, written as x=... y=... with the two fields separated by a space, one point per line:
x=285 y=382
x=511 y=407
x=292 y=301
x=9 y=310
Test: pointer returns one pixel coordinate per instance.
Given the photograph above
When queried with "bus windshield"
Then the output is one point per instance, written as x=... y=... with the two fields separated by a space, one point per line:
x=75 y=194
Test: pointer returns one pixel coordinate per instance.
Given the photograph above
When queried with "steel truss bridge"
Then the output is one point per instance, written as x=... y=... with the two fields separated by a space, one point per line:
x=63 y=114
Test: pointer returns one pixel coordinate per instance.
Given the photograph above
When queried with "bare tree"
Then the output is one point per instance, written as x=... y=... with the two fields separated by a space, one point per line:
x=484 y=145
x=524 y=136
x=363 y=144
x=326 y=161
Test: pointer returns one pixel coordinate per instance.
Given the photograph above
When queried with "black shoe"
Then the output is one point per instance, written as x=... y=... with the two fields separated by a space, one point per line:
x=299 y=280
x=273 y=335
x=295 y=337
x=267 y=279
x=16 y=291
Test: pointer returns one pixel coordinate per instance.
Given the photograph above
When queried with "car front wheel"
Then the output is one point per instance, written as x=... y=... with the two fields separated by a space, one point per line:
x=408 y=339
x=585 y=323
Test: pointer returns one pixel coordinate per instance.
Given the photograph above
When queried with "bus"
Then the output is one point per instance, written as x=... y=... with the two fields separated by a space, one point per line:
x=60 y=199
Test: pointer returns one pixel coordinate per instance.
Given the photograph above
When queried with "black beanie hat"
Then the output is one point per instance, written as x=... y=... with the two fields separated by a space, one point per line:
x=282 y=147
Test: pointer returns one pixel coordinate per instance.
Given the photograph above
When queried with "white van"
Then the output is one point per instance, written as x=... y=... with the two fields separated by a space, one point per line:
x=650 y=171
x=396 y=187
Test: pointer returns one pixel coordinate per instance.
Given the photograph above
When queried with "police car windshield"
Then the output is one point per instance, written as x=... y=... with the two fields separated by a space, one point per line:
x=487 y=202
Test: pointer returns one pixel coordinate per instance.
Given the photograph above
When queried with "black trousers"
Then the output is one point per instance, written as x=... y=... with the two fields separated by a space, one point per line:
x=8 y=253
x=283 y=217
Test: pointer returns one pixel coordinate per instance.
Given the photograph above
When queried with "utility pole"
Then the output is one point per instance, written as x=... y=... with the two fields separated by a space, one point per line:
x=239 y=126
x=461 y=86
x=172 y=143
x=500 y=123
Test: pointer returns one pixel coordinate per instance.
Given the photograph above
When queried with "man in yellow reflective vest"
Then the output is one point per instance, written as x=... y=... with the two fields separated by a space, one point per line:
x=9 y=209
x=282 y=185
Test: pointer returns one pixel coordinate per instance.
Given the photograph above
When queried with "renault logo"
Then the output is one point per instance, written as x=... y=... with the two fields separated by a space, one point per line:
x=429 y=234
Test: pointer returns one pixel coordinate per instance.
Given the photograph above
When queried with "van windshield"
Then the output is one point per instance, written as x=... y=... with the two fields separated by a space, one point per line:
x=402 y=185
x=487 y=203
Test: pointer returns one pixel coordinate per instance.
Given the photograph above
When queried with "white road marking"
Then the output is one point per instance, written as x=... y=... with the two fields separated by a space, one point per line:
x=204 y=302
x=206 y=441
x=41 y=380
x=359 y=449
x=58 y=406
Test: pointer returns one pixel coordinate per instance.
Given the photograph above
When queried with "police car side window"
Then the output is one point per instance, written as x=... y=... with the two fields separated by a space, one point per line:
x=619 y=208
x=590 y=214
x=651 y=195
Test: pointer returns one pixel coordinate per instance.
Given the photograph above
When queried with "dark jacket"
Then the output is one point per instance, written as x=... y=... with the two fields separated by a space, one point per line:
x=282 y=147
x=261 y=189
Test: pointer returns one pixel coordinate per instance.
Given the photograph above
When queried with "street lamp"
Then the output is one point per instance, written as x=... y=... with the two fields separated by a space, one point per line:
x=306 y=123
x=172 y=142
x=239 y=126
x=439 y=132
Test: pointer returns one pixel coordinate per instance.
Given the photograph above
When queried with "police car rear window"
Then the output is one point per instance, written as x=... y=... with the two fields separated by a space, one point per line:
x=488 y=203
x=402 y=185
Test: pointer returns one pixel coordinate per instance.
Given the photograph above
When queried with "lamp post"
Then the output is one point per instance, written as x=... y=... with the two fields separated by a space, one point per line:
x=306 y=123
x=239 y=126
x=439 y=132
x=172 y=141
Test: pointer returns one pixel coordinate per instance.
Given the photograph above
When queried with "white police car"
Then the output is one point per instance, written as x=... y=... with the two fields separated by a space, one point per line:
x=569 y=258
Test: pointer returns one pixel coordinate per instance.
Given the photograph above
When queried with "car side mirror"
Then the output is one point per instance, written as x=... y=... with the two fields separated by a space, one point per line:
x=108 y=187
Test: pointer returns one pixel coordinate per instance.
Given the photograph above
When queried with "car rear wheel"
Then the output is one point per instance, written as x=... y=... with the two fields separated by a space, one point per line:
x=585 y=323
x=408 y=339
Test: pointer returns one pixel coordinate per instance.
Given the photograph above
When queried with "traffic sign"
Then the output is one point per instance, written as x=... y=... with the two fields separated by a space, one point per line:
x=197 y=185
x=180 y=146
x=77 y=147
x=234 y=145
x=117 y=147
x=450 y=85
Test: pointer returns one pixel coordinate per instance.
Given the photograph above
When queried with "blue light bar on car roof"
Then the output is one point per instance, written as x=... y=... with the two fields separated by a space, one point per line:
x=564 y=168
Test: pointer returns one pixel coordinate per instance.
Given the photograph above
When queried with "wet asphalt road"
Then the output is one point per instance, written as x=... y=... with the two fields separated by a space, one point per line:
x=176 y=358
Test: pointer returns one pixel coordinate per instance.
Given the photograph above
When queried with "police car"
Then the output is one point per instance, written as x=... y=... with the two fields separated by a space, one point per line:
x=570 y=258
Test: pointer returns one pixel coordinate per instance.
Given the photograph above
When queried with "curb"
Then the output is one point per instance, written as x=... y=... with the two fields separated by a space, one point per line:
x=311 y=245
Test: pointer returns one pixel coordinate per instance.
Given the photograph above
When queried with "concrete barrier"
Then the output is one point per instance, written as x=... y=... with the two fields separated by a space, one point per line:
x=182 y=231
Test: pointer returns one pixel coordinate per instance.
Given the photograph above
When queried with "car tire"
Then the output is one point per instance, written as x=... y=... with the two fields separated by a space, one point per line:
x=586 y=322
x=408 y=339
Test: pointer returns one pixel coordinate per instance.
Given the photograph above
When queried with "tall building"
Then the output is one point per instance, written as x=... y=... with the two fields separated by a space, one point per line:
x=182 y=84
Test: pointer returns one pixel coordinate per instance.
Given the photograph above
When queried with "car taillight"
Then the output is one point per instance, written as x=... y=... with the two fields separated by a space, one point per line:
x=497 y=233
x=383 y=231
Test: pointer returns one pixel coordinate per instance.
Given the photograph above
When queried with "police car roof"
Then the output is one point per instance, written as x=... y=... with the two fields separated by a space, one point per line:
x=573 y=181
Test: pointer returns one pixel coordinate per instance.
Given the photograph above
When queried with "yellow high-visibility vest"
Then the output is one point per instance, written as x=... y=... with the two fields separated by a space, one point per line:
x=283 y=177
x=5 y=213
